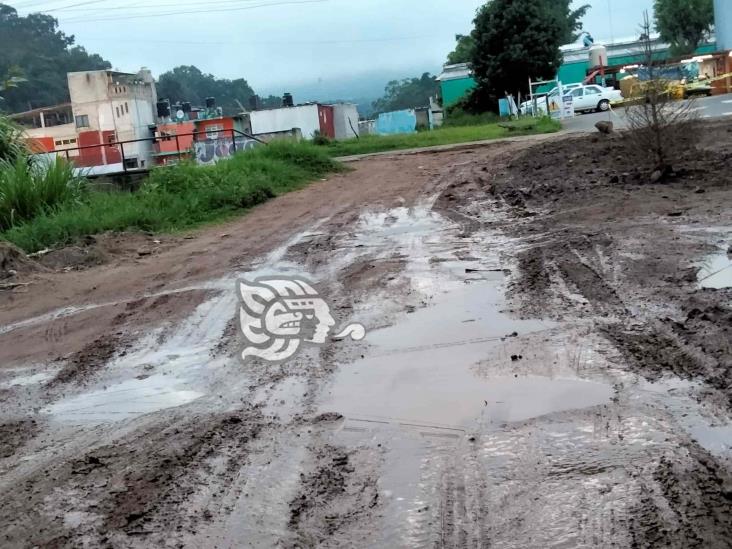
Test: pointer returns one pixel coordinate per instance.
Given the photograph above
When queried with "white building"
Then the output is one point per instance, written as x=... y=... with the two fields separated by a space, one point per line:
x=106 y=107
x=333 y=121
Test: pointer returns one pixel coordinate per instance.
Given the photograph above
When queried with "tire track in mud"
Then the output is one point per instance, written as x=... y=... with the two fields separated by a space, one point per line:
x=587 y=253
x=133 y=488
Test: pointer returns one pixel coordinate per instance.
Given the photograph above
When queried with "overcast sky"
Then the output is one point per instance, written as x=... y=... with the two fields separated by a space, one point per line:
x=277 y=42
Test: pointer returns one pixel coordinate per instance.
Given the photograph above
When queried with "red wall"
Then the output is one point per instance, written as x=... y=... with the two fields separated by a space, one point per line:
x=89 y=157
x=113 y=154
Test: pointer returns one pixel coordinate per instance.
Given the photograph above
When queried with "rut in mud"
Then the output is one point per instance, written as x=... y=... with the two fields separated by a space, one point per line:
x=542 y=366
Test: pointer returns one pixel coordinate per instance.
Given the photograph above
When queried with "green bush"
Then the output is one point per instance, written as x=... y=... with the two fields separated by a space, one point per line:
x=28 y=189
x=12 y=144
x=180 y=196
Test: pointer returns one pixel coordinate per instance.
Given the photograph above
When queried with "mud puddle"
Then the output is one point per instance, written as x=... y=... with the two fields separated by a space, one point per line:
x=420 y=370
x=169 y=370
x=716 y=271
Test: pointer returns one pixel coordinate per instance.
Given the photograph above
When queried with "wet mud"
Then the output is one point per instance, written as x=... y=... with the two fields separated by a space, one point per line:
x=546 y=364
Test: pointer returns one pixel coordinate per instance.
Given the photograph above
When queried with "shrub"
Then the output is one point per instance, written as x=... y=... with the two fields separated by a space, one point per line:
x=178 y=197
x=29 y=189
x=12 y=144
x=320 y=139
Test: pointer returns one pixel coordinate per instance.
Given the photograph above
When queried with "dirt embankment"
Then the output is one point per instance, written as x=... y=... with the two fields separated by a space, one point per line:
x=599 y=240
x=600 y=243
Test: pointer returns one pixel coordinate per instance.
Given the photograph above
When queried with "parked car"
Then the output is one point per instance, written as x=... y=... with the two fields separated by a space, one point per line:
x=594 y=98
x=527 y=107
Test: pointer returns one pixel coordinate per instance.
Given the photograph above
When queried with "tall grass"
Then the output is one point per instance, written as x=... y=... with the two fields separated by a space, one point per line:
x=12 y=143
x=179 y=197
x=28 y=189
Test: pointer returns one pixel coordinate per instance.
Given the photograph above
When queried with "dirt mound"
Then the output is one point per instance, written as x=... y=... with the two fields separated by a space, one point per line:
x=14 y=262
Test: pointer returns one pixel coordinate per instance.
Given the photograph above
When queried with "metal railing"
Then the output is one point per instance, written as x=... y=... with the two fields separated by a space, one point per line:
x=154 y=140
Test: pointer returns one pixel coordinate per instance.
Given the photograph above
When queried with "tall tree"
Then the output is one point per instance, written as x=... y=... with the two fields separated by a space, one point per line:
x=684 y=23
x=516 y=40
x=45 y=54
x=408 y=93
x=463 y=52
x=189 y=83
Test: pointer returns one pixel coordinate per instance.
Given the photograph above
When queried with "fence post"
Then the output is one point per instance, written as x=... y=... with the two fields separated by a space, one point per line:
x=122 y=151
x=177 y=145
x=233 y=140
x=67 y=156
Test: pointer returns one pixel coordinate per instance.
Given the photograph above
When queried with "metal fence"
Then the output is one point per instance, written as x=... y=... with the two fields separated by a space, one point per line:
x=119 y=146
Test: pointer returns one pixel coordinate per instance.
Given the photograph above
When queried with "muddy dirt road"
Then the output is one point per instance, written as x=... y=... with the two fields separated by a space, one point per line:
x=547 y=363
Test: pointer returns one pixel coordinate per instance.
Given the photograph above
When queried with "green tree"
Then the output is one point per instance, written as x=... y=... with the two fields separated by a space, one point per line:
x=189 y=83
x=408 y=93
x=516 y=40
x=684 y=23
x=46 y=55
x=463 y=52
x=12 y=79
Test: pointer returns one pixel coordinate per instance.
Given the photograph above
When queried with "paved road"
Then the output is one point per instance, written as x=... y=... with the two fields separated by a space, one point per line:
x=707 y=107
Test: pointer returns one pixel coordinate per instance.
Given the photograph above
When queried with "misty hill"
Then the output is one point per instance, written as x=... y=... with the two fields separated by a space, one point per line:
x=362 y=88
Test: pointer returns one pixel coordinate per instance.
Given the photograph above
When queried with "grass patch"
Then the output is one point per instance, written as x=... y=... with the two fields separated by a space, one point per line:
x=28 y=189
x=178 y=197
x=442 y=136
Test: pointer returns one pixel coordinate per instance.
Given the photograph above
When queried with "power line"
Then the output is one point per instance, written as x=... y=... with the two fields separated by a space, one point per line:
x=63 y=8
x=73 y=7
x=194 y=12
x=32 y=4
x=266 y=43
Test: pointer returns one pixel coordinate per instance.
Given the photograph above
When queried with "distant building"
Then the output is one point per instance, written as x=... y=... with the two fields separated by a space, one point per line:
x=106 y=107
x=456 y=81
x=336 y=121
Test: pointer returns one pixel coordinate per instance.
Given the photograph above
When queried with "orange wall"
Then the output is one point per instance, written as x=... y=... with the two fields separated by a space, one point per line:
x=41 y=144
x=202 y=125
x=170 y=145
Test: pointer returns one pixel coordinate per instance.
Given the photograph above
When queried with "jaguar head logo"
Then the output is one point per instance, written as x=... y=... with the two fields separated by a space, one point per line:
x=278 y=315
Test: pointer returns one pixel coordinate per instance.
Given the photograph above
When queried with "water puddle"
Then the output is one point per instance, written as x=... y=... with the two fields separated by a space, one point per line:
x=716 y=272
x=420 y=370
x=127 y=399
x=23 y=381
x=677 y=395
x=180 y=368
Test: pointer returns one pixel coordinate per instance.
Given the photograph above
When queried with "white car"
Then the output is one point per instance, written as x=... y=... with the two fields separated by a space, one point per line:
x=593 y=98
x=527 y=107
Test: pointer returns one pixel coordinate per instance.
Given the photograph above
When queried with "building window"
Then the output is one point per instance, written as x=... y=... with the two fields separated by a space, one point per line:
x=127 y=109
x=212 y=131
x=82 y=121
x=58 y=142
x=117 y=109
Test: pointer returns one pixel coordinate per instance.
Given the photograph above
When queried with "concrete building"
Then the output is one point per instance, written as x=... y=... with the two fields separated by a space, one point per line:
x=338 y=121
x=457 y=80
x=106 y=107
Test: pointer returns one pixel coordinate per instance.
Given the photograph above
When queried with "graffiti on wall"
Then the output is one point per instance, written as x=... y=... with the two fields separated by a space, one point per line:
x=213 y=150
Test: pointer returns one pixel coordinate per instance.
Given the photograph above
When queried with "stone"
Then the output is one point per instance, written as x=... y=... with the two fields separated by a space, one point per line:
x=605 y=126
